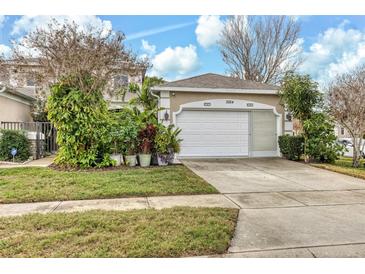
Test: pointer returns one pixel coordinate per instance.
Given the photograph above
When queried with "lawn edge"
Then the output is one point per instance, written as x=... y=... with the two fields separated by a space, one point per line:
x=338 y=169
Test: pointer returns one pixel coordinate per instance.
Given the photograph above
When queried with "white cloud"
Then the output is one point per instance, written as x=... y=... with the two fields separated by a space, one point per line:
x=147 y=48
x=5 y=51
x=29 y=23
x=154 y=31
x=178 y=60
x=337 y=50
x=2 y=20
x=208 y=30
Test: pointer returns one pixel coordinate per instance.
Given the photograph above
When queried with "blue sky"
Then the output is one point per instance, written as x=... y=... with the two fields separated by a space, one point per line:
x=182 y=46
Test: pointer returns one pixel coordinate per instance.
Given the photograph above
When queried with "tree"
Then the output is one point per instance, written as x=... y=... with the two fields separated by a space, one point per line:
x=39 y=108
x=260 y=48
x=66 y=50
x=346 y=96
x=144 y=96
x=78 y=64
x=300 y=95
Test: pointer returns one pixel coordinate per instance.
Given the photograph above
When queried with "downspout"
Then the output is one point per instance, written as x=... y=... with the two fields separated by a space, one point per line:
x=158 y=98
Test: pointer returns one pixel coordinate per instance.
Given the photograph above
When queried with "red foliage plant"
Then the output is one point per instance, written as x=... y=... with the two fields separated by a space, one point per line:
x=146 y=137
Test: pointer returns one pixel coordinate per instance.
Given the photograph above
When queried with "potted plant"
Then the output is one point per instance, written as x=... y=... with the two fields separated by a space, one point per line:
x=116 y=153
x=174 y=142
x=129 y=135
x=161 y=146
x=146 y=138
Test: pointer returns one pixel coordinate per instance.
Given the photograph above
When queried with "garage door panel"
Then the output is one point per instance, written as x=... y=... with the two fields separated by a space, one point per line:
x=213 y=133
x=212 y=126
x=208 y=133
x=233 y=143
x=213 y=151
x=264 y=131
x=191 y=115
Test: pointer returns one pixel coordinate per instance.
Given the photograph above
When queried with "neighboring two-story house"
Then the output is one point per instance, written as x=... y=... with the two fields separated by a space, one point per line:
x=18 y=89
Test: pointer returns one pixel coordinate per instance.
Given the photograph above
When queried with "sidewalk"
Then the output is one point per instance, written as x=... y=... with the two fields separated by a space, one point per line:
x=211 y=200
x=43 y=162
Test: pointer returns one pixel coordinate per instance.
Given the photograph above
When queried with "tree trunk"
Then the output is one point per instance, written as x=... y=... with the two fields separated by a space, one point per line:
x=355 y=153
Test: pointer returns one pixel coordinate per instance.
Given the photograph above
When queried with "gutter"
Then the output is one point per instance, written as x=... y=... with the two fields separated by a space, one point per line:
x=153 y=94
x=215 y=90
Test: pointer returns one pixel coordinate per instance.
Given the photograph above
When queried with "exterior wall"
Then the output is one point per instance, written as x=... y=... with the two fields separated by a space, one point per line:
x=179 y=98
x=341 y=132
x=20 y=80
x=14 y=111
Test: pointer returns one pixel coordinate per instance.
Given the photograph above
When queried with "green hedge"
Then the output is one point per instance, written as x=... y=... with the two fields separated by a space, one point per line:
x=83 y=126
x=14 y=139
x=292 y=147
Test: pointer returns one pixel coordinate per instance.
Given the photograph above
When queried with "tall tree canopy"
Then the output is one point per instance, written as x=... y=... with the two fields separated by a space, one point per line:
x=260 y=48
x=347 y=105
x=66 y=50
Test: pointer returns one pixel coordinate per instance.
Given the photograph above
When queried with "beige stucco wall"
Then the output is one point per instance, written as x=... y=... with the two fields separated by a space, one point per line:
x=179 y=98
x=13 y=111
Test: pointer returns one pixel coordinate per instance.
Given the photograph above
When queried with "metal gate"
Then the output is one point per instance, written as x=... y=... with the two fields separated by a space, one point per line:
x=44 y=133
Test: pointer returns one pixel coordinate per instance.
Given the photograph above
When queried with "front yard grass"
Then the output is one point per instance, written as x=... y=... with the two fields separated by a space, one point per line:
x=343 y=166
x=175 y=232
x=45 y=184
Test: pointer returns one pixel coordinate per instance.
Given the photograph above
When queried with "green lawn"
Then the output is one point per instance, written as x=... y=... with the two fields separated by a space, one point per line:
x=45 y=184
x=173 y=232
x=343 y=165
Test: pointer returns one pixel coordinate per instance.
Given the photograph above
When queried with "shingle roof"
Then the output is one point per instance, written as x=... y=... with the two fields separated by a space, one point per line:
x=24 y=93
x=212 y=80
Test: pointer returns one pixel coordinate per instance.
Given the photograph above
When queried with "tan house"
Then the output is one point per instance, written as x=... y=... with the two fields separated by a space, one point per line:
x=15 y=104
x=222 y=116
x=341 y=132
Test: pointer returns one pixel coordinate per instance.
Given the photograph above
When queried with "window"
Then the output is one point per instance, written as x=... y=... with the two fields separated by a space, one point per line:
x=120 y=81
x=288 y=117
x=342 y=131
x=30 y=82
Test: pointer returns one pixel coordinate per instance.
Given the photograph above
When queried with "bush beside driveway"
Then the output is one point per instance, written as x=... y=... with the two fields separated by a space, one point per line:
x=18 y=185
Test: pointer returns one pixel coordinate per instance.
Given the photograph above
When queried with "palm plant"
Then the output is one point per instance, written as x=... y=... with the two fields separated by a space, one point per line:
x=174 y=140
x=144 y=96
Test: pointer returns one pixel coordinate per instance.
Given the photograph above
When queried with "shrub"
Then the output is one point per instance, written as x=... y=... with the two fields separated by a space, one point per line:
x=129 y=135
x=146 y=138
x=14 y=139
x=167 y=140
x=162 y=140
x=321 y=145
x=83 y=126
x=292 y=147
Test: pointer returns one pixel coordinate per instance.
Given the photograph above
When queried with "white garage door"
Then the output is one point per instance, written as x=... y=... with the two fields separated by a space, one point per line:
x=213 y=133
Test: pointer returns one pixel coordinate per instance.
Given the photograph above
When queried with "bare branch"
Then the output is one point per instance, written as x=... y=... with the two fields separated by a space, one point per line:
x=63 y=50
x=346 y=98
x=261 y=49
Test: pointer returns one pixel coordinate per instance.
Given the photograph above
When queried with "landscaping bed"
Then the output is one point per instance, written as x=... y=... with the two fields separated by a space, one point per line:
x=343 y=166
x=176 y=232
x=35 y=184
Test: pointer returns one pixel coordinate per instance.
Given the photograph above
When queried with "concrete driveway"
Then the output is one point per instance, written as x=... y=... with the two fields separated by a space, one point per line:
x=289 y=209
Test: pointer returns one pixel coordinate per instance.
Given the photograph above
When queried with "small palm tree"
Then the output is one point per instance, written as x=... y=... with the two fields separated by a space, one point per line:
x=144 y=96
